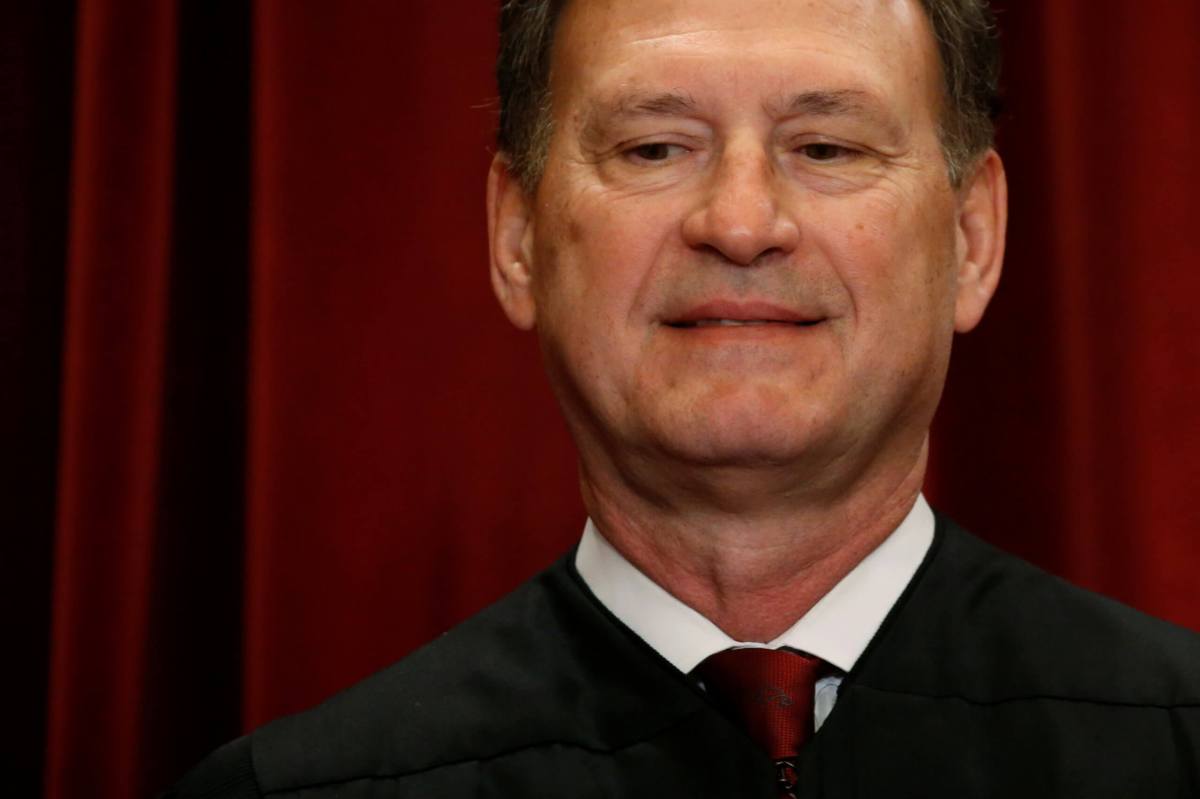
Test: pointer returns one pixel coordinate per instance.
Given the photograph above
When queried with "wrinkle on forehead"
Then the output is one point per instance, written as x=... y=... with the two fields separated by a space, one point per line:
x=879 y=30
x=661 y=22
x=869 y=44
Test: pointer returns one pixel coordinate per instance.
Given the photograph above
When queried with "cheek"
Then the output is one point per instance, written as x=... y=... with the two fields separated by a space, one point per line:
x=594 y=290
x=893 y=260
x=865 y=252
x=599 y=258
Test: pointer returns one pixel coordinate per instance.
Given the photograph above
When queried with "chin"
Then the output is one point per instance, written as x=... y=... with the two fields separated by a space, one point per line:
x=745 y=434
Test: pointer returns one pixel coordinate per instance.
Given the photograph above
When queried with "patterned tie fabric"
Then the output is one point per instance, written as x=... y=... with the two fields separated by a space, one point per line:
x=771 y=692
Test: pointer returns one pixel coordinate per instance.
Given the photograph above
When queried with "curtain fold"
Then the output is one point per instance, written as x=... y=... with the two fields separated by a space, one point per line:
x=37 y=46
x=117 y=278
x=147 y=595
x=401 y=434
x=1070 y=424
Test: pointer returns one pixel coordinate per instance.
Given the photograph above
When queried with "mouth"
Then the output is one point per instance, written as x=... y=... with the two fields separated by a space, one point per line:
x=688 y=324
x=722 y=313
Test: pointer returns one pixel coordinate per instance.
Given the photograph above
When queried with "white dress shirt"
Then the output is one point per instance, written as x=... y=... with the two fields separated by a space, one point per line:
x=837 y=629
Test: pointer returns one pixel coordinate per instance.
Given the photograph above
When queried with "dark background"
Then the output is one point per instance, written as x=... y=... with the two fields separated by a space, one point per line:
x=263 y=428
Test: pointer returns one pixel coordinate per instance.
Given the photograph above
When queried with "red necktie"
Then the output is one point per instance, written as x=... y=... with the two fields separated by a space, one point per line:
x=771 y=692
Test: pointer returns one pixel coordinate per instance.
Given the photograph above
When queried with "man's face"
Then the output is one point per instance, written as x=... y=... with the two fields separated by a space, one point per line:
x=744 y=249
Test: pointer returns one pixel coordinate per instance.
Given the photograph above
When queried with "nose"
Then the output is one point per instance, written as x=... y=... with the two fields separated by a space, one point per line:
x=740 y=215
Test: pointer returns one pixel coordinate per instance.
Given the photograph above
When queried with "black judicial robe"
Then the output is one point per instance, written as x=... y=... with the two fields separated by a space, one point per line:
x=989 y=678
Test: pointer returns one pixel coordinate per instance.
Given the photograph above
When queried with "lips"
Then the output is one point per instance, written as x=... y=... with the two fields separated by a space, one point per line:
x=741 y=323
x=724 y=313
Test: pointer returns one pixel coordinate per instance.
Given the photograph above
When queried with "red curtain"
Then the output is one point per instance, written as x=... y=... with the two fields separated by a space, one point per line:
x=297 y=438
x=1070 y=430
x=402 y=439
x=112 y=373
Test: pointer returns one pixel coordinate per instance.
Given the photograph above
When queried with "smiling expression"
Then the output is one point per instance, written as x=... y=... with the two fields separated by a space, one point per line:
x=744 y=247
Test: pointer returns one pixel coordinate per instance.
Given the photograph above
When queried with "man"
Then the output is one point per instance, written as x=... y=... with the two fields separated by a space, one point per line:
x=745 y=234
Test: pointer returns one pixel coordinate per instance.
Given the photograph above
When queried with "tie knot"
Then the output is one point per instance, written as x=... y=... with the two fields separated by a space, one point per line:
x=769 y=690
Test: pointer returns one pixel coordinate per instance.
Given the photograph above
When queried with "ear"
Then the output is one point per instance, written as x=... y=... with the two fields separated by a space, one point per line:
x=510 y=237
x=982 y=219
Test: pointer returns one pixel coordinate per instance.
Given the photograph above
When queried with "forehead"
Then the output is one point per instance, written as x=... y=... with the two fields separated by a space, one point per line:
x=747 y=49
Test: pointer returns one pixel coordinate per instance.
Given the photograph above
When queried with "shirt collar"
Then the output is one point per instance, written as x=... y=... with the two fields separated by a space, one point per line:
x=837 y=629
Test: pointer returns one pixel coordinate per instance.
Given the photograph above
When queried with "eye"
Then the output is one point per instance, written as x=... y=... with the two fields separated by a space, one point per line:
x=655 y=152
x=825 y=151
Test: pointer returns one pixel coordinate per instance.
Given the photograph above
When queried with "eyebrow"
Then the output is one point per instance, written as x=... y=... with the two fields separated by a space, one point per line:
x=837 y=103
x=603 y=111
x=818 y=103
x=827 y=102
x=662 y=104
x=821 y=102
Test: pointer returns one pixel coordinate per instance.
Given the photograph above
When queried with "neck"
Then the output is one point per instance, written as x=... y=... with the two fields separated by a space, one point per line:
x=753 y=567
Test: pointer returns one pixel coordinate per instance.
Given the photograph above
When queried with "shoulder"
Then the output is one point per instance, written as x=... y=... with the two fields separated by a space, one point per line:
x=988 y=625
x=541 y=668
x=227 y=773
